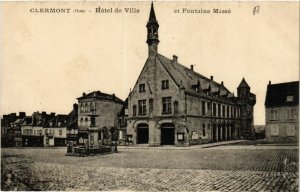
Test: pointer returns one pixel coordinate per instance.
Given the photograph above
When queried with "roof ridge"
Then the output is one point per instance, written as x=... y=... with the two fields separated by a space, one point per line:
x=198 y=75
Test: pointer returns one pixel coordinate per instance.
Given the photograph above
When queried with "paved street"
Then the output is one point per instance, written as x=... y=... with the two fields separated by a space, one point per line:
x=223 y=168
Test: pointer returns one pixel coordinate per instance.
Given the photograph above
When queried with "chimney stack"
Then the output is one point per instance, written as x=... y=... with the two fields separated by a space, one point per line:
x=83 y=94
x=270 y=83
x=75 y=106
x=222 y=83
x=211 y=78
x=22 y=114
x=192 y=67
x=175 y=58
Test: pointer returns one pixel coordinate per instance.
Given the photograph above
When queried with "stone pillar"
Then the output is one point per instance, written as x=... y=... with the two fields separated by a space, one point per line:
x=153 y=133
x=221 y=133
x=217 y=133
x=226 y=138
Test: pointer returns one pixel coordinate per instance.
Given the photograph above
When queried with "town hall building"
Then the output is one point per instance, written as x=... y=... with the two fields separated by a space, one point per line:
x=171 y=104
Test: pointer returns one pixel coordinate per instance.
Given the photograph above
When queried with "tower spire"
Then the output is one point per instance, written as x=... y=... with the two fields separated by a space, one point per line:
x=152 y=33
x=152 y=17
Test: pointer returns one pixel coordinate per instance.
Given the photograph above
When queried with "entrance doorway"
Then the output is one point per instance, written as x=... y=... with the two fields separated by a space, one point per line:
x=167 y=134
x=142 y=134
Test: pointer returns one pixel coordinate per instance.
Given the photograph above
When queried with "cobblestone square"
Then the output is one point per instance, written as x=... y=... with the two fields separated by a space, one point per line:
x=223 y=168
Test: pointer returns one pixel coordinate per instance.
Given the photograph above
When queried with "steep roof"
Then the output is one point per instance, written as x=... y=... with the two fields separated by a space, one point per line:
x=73 y=118
x=187 y=78
x=53 y=121
x=152 y=17
x=100 y=95
x=243 y=84
x=282 y=94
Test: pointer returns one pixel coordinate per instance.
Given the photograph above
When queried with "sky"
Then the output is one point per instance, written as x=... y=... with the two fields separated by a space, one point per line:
x=49 y=59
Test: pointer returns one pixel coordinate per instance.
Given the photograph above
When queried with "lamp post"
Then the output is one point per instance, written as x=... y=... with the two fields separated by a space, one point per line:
x=114 y=137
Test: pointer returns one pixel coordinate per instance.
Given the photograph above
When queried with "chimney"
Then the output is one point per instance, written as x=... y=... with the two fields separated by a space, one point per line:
x=211 y=78
x=175 y=58
x=270 y=83
x=75 y=106
x=83 y=94
x=52 y=114
x=222 y=83
x=22 y=114
x=192 y=67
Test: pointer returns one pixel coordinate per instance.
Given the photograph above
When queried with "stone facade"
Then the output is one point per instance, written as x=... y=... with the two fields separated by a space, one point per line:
x=282 y=112
x=174 y=105
x=97 y=114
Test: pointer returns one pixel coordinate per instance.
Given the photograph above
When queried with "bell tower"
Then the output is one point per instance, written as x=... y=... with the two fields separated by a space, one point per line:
x=152 y=33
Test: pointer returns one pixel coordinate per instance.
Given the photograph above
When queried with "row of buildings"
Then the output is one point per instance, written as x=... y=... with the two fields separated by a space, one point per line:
x=169 y=104
x=37 y=130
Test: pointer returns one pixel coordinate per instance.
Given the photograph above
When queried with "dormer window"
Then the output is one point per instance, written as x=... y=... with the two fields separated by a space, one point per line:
x=290 y=98
x=165 y=84
x=142 y=88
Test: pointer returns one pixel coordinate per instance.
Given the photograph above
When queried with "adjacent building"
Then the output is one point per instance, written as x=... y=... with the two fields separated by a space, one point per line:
x=171 y=104
x=72 y=128
x=11 y=129
x=97 y=115
x=32 y=130
x=55 y=131
x=281 y=109
x=122 y=128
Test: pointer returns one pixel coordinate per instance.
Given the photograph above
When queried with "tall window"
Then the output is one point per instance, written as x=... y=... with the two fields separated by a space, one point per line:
x=92 y=107
x=203 y=130
x=142 y=107
x=142 y=88
x=290 y=98
x=274 y=114
x=214 y=109
x=223 y=110
x=290 y=114
x=234 y=115
x=208 y=106
x=219 y=110
x=203 y=108
x=134 y=110
x=227 y=111
x=290 y=130
x=60 y=132
x=165 y=84
x=167 y=107
x=86 y=108
x=81 y=108
x=274 y=130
